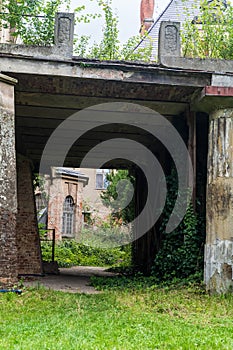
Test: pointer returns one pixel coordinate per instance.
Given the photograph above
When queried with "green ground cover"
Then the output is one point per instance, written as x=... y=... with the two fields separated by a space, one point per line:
x=140 y=317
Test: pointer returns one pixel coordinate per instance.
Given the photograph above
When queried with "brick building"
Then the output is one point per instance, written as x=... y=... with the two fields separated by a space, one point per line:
x=61 y=204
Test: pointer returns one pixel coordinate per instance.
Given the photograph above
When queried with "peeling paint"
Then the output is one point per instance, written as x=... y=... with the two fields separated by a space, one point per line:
x=219 y=207
x=218 y=266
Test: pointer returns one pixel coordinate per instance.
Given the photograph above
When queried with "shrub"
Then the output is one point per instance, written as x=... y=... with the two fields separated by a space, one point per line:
x=70 y=253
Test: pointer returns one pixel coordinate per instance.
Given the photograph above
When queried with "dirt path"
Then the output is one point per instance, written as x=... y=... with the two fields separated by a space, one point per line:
x=71 y=280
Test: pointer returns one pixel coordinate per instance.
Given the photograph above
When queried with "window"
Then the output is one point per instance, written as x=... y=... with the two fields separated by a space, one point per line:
x=101 y=181
x=68 y=216
x=40 y=202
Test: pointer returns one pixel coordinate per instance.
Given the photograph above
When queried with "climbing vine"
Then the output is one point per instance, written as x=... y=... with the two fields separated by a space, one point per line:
x=182 y=251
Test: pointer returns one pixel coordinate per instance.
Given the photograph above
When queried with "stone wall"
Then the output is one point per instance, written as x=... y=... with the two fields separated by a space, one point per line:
x=8 y=197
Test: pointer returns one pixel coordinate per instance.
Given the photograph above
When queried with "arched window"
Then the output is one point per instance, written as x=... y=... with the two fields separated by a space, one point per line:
x=68 y=217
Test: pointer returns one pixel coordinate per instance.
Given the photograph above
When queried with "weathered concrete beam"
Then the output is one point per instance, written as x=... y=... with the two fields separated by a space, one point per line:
x=8 y=192
x=63 y=41
x=219 y=209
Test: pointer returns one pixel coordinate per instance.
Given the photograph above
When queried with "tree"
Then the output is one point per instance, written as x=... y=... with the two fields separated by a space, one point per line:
x=33 y=20
x=116 y=198
x=210 y=34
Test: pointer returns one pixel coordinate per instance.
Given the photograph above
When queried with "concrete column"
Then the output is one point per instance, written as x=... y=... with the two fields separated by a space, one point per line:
x=8 y=197
x=64 y=33
x=29 y=254
x=219 y=210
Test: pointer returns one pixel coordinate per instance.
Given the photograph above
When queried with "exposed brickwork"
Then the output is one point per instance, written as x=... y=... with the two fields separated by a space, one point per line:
x=58 y=189
x=29 y=254
x=8 y=248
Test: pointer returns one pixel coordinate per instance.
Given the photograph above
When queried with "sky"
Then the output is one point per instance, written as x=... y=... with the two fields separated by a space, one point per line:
x=128 y=12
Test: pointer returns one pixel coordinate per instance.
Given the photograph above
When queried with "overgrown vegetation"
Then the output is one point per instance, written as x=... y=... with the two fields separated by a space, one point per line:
x=71 y=253
x=31 y=20
x=211 y=33
x=182 y=252
x=152 y=318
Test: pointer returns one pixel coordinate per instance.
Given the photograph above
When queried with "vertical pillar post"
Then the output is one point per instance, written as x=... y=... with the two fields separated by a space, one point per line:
x=169 y=40
x=8 y=192
x=64 y=33
x=192 y=148
x=219 y=209
x=145 y=247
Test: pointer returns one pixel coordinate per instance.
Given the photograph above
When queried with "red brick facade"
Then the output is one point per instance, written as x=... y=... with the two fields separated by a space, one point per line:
x=66 y=185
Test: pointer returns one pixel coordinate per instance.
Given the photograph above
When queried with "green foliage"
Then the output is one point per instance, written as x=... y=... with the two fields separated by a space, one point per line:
x=25 y=17
x=42 y=231
x=34 y=20
x=211 y=34
x=181 y=254
x=110 y=195
x=71 y=253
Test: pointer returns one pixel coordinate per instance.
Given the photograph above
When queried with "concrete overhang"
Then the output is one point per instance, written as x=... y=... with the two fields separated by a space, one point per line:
x=51 y=90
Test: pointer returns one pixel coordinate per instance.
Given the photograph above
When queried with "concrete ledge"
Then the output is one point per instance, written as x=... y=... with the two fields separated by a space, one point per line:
x=197 y=64
x=36 y=51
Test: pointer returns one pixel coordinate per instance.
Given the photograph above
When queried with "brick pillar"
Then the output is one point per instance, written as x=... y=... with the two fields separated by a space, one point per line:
x=219 y=210
x=8 y=197
x=146 y=15
x=29 y=254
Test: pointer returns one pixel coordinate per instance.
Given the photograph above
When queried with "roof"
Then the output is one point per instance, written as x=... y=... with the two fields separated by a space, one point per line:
x=73 y=173
x=176 y=11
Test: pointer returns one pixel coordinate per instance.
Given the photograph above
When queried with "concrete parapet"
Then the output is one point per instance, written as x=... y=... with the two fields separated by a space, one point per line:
x=63 y=42
x=169 y=40
x=170 y=56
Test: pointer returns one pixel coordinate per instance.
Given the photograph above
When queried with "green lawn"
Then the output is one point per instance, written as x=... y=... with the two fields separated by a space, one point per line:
x=152 y=318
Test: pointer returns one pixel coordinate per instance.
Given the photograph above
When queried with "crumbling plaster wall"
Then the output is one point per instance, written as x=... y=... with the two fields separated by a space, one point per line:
x=219 y=209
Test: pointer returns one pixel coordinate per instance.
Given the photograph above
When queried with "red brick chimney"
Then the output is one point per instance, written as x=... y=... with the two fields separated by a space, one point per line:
x=147 y=10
